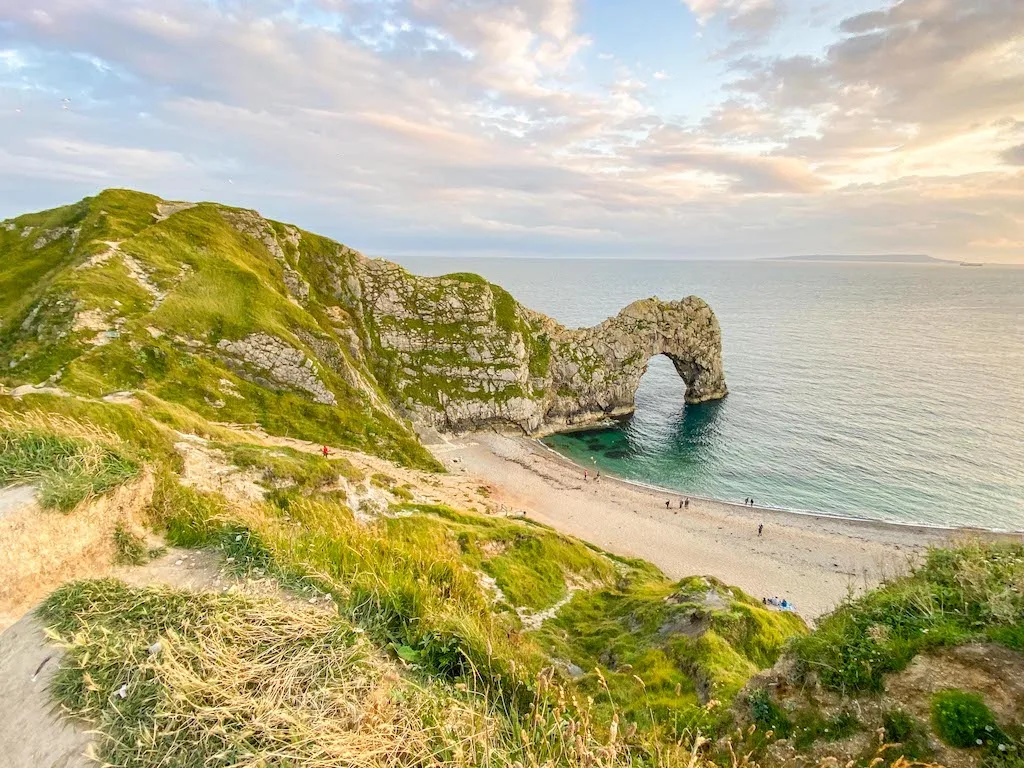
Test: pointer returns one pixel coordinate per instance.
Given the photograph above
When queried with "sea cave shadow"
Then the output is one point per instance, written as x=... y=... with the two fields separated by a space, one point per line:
x=686 y=435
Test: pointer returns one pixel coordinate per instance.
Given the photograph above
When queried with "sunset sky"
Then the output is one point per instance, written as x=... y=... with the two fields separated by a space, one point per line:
x=659 y=128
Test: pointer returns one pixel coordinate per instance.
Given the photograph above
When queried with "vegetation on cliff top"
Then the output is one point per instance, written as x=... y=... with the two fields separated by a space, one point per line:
x=109 y=295
x=957 y=618
x=956 y=596
x=447 y=637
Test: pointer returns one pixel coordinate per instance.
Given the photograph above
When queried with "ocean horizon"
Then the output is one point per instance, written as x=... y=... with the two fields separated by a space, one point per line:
x=878 y=390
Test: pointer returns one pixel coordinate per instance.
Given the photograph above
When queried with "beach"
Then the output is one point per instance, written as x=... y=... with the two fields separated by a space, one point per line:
x=813 y=561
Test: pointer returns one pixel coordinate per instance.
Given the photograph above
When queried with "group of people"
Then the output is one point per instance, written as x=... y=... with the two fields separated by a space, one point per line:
x=683 y=503
x=784 y=604
x=748 y=502
x=586 y=476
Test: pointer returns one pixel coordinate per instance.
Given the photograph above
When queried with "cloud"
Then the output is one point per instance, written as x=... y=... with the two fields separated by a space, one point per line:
x=428 y=125
x=1013 y=155
x=751 y=21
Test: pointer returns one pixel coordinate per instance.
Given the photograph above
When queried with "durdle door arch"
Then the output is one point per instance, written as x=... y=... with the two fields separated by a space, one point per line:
x=686 y=332
x=461 y=354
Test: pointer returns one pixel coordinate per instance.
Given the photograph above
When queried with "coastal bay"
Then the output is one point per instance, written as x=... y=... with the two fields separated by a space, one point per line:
x=813 y=561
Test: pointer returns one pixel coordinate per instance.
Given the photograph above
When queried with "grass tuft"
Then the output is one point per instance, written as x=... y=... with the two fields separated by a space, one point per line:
x=68 y=461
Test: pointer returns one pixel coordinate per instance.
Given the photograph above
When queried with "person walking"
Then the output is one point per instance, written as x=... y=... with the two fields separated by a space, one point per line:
x=687 y=502
x=760 y=528
x=324 y=451
x=668 y=504
x=584 y=475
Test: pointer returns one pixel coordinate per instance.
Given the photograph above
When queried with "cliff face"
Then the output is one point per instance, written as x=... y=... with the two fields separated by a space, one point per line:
x=461 y=354
x=246 y=319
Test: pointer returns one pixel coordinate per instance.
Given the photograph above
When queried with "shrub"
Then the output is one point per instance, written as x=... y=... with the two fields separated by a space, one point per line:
x=962 y=720
x=957 y=596
x=129 y=549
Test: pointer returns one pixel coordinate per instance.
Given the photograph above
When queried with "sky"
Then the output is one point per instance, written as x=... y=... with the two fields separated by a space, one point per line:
x=630 y=128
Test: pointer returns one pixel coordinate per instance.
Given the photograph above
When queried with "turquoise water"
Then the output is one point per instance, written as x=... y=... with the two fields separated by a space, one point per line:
x=877 y=390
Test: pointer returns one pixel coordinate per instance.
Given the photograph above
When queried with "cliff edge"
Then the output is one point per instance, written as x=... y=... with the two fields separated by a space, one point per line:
x=249 y=320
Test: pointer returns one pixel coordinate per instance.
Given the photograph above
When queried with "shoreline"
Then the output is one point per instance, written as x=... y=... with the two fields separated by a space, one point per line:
x=814 y=560
x=967 y=529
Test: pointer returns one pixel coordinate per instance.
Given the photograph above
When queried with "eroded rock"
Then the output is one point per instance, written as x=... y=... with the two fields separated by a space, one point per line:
x=281 y=362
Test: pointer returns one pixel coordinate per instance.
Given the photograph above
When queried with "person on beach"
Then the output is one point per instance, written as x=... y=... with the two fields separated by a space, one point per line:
x=760 y=527
x=687 y=502
x=668 y=504
x=584 y=475
x=680 y=503
x=597 y=477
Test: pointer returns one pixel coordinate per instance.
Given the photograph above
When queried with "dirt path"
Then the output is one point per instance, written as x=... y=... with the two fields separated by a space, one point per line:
x=33 y=732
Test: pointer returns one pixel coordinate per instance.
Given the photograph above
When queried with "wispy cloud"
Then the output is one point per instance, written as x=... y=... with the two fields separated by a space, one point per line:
x=430 y=125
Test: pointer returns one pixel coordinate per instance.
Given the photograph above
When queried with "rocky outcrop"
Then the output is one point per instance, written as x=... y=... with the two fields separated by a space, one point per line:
x=459 y=353
x=595 y=372
x=280 y=362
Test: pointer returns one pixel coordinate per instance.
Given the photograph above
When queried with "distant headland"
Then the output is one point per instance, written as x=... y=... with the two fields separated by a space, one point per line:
x=884 y=258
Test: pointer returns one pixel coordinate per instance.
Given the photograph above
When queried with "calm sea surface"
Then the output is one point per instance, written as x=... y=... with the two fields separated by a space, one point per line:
x=877 y=390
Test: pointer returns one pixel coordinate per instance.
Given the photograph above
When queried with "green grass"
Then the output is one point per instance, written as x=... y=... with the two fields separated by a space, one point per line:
x=408 y=596
x=963 y=720
x=129 y=548
x=65 y=470
x=411 y=582
x=530 y=563
x=668 y=636
x=956 y=596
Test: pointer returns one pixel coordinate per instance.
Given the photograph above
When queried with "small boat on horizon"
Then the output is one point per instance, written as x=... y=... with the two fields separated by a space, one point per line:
x=971 y=264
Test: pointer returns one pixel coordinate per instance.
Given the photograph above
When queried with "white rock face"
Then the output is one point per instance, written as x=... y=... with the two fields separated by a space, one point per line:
x=460 y=354
x=281 y=363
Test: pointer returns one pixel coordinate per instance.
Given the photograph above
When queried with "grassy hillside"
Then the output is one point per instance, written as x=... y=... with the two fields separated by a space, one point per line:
x=403 y=630
x=500 y=618
x=933 y=661
x=123 y=292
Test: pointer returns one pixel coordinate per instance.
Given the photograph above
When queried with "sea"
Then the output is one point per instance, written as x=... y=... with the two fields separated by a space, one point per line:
x=874 y=390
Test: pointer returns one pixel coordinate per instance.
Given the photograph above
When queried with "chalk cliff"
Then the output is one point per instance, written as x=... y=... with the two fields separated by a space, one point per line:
x=247 y=319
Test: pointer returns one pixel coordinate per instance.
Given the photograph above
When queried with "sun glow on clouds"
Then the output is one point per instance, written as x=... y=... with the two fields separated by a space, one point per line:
x=428 y=125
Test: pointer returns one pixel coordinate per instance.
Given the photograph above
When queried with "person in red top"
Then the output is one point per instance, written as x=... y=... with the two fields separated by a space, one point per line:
x=325 y=451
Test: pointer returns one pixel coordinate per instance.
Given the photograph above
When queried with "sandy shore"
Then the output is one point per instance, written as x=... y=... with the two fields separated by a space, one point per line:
x=813 y=561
